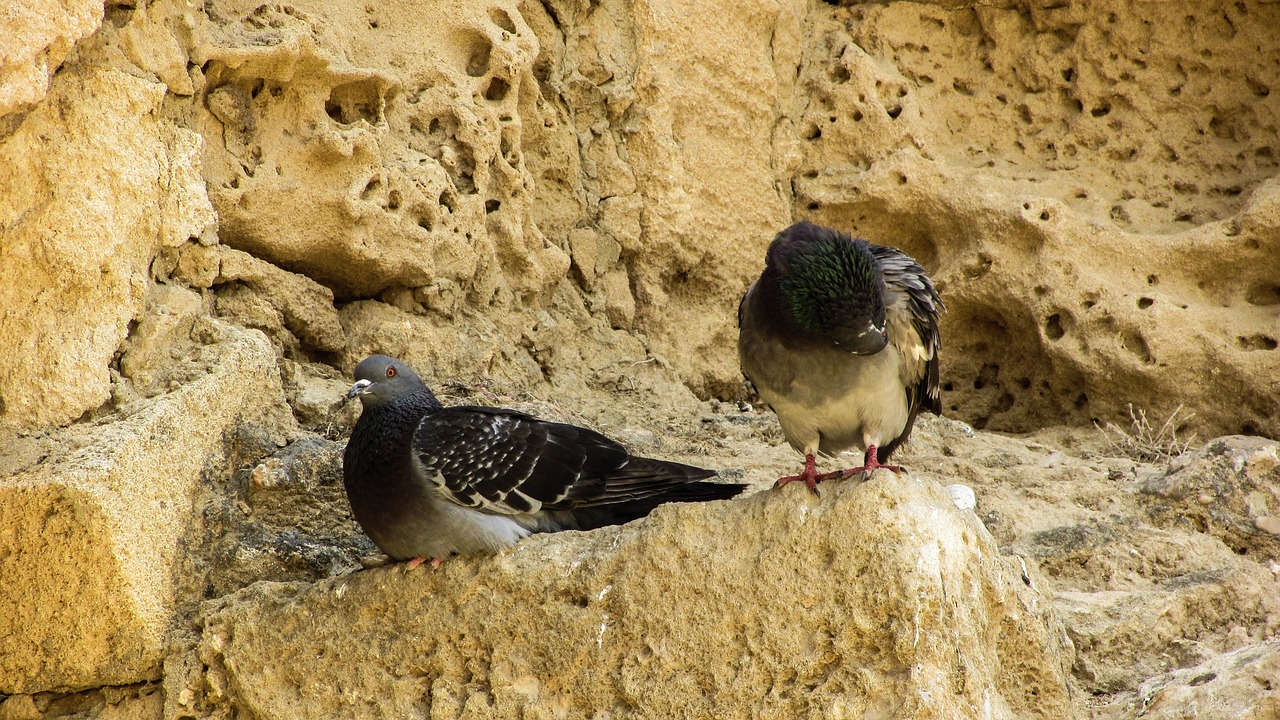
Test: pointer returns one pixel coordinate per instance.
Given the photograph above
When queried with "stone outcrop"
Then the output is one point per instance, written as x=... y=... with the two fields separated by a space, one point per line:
x=878 y=599
x=93 y=526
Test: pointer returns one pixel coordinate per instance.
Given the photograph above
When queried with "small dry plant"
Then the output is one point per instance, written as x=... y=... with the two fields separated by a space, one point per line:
x=1143 y=441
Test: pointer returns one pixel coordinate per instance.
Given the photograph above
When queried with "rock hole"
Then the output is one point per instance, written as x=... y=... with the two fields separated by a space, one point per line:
x=1153 y=280
x=948 y=387
x=1053 y=327
x=447 y=202
x=961 y=87
x=424 y=222
x=502 y=20
x=478 y=61
x=354 y=101
x=1044 y=215
x=811 y=132
x=989 y=374
x=814 y=205
x=1088 y=304
x=433 y=127
x=839 y=74
x=1101 y=111
x=1040 y=290
x=1024 y=383
x=1256 y=342
x=857 y=116
x=258 y=86
x=1175 y=91
x=497 y=90
x=1145 y=302
x=1081 y=401
x=1248 y=429
x=1136 y=344
x=1069 y=74
x=491 y=206
x=1263 y=294
x=902 y=179
x=370 y=188
x=393 y=200
x=1004 y=403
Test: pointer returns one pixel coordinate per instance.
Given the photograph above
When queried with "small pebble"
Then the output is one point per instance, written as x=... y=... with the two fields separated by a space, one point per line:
x=1205 y=499
x=962 y=496
x=1266 y=523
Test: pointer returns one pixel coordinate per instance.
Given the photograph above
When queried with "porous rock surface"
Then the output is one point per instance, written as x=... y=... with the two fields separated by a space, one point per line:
x=846 y=606
x=211 y=211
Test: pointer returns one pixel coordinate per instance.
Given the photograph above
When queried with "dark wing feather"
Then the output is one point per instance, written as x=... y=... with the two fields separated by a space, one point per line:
x=506 y=462
x=906 y=275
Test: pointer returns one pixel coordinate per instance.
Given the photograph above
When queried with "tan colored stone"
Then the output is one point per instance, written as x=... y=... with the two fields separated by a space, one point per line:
x=105 y=183
x=1099 y=209
x=35 y=37
x=845 y=606
x=1239 y=685
x=90 y=534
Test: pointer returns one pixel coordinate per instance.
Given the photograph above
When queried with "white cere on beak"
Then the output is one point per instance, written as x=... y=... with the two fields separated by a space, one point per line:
x=358 y=388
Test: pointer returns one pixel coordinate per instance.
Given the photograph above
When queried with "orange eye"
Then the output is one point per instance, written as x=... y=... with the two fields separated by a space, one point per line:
x=391 y=372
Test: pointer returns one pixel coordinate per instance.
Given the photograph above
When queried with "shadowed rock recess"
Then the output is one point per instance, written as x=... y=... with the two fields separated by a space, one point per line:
x=210 y=211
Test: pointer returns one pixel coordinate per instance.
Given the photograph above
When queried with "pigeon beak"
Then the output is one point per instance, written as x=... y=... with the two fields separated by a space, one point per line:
x=869 y=342
x=359 y=388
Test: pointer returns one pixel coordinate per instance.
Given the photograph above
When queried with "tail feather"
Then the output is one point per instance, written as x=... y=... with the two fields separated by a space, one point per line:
x=642 y=484
x=623 y=511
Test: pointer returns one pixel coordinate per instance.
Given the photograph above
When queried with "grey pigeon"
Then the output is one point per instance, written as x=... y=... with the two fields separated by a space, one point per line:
x=425 y=481
x=840 y=337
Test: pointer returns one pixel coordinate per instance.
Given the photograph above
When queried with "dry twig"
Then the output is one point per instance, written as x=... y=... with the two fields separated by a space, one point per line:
x=1142 y=441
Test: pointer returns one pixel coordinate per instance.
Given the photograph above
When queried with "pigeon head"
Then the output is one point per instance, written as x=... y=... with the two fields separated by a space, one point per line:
x=381 y=379
x=829 y=286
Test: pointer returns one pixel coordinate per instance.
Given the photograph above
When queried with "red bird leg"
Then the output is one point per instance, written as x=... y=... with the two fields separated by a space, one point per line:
x=809 y=476
x=414 y=563
x=870 y=463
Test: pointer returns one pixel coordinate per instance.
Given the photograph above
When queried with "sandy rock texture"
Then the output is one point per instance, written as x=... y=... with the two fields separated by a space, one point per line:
x=93 y=523
x=663 y=619
x=211 y=210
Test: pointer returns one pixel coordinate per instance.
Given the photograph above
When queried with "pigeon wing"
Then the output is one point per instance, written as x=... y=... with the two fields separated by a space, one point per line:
x=912 y=303
x=505 y=462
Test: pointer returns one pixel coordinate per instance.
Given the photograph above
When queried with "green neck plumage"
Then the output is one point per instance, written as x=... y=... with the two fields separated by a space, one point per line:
x=827 y=283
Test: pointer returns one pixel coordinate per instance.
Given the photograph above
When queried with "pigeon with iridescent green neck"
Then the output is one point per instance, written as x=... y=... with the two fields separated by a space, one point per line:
x=840 y=337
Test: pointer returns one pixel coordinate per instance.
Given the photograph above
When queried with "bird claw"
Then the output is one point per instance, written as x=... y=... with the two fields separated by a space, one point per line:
x=810 y=482
x=809 y=477
x=869 y=468
x=414 y=563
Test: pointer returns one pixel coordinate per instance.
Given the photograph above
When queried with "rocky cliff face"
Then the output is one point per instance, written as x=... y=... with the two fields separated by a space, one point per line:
x=211 y=211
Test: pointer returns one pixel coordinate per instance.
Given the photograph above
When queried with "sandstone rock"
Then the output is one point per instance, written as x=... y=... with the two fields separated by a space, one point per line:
x=91 y=535
x=293 y=309
x=996 y=143
x=1241 y=478
x=1241 y=685
x=34 y=40
x=845 y=606
x=105 y=184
